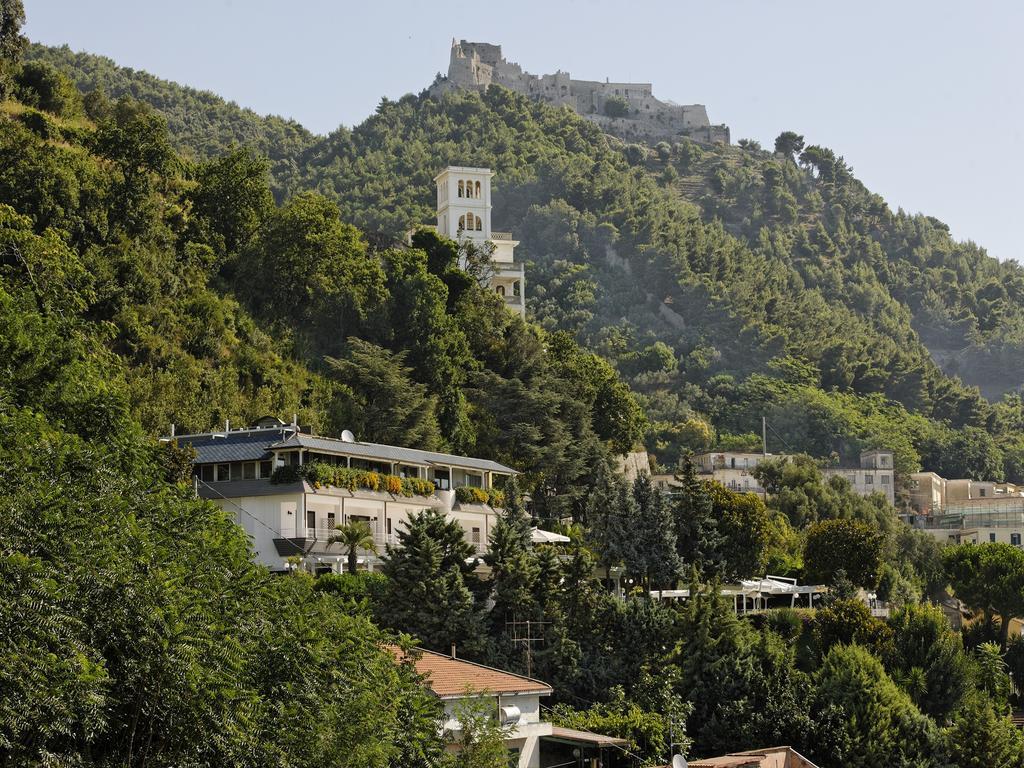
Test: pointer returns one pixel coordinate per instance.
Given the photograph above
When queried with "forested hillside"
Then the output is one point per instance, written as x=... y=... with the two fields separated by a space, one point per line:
x=724 y=283
x=142 y=287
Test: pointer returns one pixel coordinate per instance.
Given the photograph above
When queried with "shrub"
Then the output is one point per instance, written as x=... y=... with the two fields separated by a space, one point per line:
x=467 y=494
x=496 y=498
x=616 y=106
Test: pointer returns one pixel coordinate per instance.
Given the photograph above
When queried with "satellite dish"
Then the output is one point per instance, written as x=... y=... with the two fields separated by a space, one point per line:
x=679 y=762
x=347 y=436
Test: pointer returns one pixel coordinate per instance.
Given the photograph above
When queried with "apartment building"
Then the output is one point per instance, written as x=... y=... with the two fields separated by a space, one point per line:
x=734 y=470
x=984 y=519
x=261 y=475
x=874 y=474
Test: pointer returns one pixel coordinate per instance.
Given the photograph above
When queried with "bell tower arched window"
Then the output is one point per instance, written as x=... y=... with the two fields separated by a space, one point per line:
x=476 y=189
x=479 y=224
x=462 y=223
x=461 y=189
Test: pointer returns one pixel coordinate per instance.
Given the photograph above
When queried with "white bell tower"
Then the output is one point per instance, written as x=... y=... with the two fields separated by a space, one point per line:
x=464 y=212
x=464 y=202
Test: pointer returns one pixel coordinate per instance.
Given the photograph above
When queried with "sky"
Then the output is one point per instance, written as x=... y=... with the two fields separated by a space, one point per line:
x=921 y=97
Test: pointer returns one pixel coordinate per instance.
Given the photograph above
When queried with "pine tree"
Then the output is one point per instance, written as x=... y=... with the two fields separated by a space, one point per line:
x=426 y=593
x=513 y=565
x=656 y=534
x=698 y=540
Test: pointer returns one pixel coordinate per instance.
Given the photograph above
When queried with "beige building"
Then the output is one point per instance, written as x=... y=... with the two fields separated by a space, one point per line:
x=984 y=519
x=464 y=213
x=734 y=470
x=874 y=475
x=244 y=471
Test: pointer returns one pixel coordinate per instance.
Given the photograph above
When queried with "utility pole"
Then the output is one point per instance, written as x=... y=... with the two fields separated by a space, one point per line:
x=764 y=435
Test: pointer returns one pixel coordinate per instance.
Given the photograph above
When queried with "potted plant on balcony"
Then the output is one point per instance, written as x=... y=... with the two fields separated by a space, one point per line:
x=354 y=536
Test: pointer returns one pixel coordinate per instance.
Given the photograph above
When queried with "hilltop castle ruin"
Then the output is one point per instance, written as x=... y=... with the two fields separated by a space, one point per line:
x=627 y=110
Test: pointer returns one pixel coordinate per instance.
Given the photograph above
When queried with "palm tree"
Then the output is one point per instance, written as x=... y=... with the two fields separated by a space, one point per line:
x=355 y=535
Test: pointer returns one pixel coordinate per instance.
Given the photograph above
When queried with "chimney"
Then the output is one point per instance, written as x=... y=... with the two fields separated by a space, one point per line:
x=227 y=425
x=453 y=650
x=172 y=430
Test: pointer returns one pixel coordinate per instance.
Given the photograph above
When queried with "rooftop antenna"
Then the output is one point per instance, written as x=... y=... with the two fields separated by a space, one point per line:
x=347 y=436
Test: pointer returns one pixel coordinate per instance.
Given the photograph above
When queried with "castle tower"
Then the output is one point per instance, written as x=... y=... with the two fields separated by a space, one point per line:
x=464 y=212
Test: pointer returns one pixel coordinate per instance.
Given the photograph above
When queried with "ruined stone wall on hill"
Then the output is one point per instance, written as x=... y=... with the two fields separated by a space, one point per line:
x=476 y=66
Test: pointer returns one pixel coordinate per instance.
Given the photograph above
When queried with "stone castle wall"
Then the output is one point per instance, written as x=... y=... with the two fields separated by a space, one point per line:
x=475 y=66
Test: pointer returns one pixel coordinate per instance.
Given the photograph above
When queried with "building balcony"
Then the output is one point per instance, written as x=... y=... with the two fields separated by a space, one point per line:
x=501 y=235
x=315 y=541
x=511 y=269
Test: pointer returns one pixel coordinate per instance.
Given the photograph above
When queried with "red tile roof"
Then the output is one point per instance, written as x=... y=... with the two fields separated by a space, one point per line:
x=452 y=678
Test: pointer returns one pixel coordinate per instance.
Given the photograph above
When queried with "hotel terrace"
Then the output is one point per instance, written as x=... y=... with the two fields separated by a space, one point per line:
x=289 y=488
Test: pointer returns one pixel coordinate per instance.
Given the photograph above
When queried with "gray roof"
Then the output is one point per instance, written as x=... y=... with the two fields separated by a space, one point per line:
x=389 y=453
x=259 y=444
x=244 y=446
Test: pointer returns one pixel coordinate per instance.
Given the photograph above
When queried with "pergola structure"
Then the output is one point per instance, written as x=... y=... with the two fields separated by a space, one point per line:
x=754 y=594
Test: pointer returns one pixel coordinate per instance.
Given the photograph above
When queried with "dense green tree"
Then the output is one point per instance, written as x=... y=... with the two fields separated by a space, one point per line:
x=382 y=403
x=982 y=738
x=850 y=545
x=12 y=42
x=745 y=527
x=311 y=270
x=113 y=580
x=426 y=594
x=990 y=578
x=232 y=198
x=656 y=558
x=134 y=138
x=42 y=85
x=928 y=661
x=868 y=720
x=698 y=538
x=789 y=143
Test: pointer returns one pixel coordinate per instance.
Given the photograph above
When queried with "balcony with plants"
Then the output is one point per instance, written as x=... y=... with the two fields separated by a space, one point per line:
x=321 y=475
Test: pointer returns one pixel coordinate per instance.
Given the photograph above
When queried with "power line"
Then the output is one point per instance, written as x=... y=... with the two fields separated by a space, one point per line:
x=243 y=510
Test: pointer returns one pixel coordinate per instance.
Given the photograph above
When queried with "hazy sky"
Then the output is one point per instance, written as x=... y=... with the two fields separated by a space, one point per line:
x=922 y=97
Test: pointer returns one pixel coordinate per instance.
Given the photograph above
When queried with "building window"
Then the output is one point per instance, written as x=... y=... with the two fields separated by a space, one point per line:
x=981 y=492
x=1015 y=539
x=868 y=479
x=885 y=479
x=310 y=518
x=992 y=537
x=249 y=470
x=461 y=189
x=223 y=472
x=479 y=224
x=475 y=536
x=206 y=473
x=500 y=290
x=462 y=223
x=266 y=469
x=331 y=521
x=477 y=190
